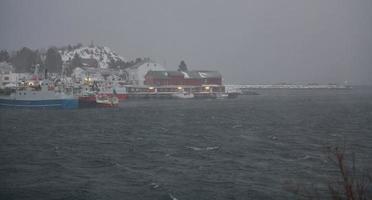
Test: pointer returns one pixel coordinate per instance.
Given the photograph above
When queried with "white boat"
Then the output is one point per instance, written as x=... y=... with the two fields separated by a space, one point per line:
x=222 y=95
x=183 y=95
x=38 y=95
x=107 y=100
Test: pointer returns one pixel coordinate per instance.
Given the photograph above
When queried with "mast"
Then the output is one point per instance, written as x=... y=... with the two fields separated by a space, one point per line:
x=45 y=74
x=36 y=72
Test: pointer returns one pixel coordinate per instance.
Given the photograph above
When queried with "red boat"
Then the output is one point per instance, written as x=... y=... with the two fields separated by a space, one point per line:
x=98 y=101
x=119 y=92
x=87 y=101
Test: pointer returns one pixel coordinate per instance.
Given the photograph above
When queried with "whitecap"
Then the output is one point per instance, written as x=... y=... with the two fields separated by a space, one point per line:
x=304 y=157
x=194 y=148
x=273 y=137
x=203 y=149
x=212 y=148
x=237 y=126
x=154 y=185
x=172 y=197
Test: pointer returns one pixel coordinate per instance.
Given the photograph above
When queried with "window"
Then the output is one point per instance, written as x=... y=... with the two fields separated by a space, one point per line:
x=6 y=78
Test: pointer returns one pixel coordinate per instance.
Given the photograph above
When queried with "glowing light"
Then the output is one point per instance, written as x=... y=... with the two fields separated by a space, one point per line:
x=180 y=88
x=207 y=87
x=151 y=88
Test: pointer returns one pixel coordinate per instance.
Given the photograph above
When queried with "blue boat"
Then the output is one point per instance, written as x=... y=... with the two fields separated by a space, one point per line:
x=40 y=96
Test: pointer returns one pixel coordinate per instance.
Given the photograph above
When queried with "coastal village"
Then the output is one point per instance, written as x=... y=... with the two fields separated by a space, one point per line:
x=94 y=76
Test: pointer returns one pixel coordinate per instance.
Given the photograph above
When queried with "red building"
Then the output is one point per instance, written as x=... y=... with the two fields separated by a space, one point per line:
x=190 y=78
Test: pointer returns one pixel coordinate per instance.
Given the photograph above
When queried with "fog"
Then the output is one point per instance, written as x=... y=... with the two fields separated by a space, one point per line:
x=248 y=41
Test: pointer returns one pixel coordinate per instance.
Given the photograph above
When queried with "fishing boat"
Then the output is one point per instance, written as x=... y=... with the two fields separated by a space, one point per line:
x=87 y=100
x=93 y=97
x=104 y=100
x=221 y=95
x=107 y=88
x=38 y=94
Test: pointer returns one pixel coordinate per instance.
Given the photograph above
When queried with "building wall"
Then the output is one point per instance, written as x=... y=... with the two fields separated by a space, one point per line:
x=182 y=81
x=6 y=78
x=213 y=81
x=137 y=75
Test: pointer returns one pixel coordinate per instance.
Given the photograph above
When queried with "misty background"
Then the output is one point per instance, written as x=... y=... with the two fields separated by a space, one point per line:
x=248 y=41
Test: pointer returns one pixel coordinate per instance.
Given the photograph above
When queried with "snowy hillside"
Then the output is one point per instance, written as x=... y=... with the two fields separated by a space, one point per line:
x=103 y=55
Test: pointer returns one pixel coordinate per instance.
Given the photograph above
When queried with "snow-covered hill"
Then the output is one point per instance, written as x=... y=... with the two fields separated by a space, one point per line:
x=103 y=55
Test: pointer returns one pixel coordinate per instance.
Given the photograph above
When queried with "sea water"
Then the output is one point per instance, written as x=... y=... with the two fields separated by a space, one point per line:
x=265 y=146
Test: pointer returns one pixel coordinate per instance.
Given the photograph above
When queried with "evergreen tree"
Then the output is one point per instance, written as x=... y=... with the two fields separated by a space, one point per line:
x=138 y=60
x=25 y=59
x=78 y=45
x=68 y=69
x=4 y=56
x=182 y=67
x=53 y=61
x=112 y=63
x=72 y=64
x=76 y=61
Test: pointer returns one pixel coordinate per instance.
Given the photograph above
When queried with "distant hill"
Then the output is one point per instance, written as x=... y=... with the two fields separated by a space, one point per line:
x=102 y=57
x=25 y=59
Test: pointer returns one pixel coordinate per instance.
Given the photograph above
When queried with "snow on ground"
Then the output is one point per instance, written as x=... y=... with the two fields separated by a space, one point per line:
x=286 y=86
x=186 y=75
x=203 y=75
x=103 y=55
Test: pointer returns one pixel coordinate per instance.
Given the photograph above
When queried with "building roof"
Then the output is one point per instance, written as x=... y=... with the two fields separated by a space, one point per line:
x=186 y=75
x=143 y=61
x=203 y=74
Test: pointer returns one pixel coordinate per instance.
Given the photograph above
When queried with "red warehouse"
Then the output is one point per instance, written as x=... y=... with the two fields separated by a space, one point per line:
x=190 y=78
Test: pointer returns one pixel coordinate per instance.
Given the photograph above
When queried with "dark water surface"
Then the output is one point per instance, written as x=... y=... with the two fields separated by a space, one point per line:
x=252 y=147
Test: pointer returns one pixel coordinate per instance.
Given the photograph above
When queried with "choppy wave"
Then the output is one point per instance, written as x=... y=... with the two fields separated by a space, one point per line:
x=202 y=148
x=253 y=147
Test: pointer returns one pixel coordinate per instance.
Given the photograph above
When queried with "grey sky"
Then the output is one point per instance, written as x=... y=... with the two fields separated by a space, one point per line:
x=249 y=41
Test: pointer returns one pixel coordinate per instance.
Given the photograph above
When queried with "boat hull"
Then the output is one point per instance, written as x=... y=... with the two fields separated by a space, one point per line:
x=183 y=95
x=122 y=97
x=51 y=103
x=87 y=101
x=91 y=102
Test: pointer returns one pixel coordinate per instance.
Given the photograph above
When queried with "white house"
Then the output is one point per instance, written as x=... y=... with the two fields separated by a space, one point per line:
x=136 y=73
x=84 y=73
x=8 y=77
